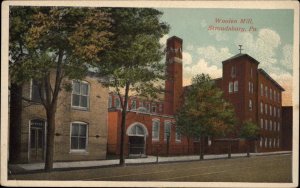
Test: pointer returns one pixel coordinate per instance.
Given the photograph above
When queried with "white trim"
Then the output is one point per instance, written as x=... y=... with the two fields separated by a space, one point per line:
x=134 y=124
x=29 y=137
x=88 y=96
x=155 y=120
x=167 y=122
x=86 y=141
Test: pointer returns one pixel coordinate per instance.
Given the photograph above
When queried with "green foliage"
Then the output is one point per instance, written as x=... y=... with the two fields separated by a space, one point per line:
x=205 y=112
x=136 y=54
x=47 y=38
x=249 y=130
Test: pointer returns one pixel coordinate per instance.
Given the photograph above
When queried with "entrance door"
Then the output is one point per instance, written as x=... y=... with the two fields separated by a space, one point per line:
x=37 y=140
x=137 y=144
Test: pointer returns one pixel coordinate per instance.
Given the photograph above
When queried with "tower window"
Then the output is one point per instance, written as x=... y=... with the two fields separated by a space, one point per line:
x=233 y=71
x=230 y=87
x=236 y=86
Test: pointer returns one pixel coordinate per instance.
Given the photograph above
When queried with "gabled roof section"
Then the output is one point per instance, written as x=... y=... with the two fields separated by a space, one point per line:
x=240 y=55
x=271 y=79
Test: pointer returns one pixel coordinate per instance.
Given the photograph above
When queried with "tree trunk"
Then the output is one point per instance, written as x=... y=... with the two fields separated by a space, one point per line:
x=50 y=138
x=229 y=149
x=202 y=148
x=248 y=148
x=15 y=123
x=123 y=126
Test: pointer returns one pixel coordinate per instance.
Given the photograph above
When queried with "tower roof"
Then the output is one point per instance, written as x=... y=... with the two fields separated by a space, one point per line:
x=239 y=56
x=270 y=78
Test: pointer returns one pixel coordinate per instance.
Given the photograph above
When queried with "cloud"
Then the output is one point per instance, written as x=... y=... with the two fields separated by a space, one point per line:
x=287 y=59
x=262 y=47
x=219 y=35
x=163 y=40
x=186 y=58
x=213 y=55
x=200 y=67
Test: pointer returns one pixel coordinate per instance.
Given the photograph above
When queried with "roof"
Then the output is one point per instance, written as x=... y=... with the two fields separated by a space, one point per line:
x=271 y=79
x=240 y=55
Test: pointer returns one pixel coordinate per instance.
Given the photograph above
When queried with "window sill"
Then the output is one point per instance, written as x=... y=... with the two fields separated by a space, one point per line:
x=155 y=140
x=80 y=108
x=79 y=152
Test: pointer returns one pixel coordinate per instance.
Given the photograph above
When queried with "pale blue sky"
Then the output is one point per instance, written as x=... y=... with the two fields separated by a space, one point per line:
x=271 y=44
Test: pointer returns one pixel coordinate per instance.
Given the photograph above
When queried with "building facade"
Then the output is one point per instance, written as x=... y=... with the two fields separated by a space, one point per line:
x=254 y=94
x=80 y=123
x=287 y=128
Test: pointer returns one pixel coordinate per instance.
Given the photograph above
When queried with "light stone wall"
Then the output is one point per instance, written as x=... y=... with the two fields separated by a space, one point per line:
x=95 y=117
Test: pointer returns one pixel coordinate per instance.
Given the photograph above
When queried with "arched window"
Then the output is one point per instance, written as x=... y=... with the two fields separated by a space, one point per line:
x=136 y=130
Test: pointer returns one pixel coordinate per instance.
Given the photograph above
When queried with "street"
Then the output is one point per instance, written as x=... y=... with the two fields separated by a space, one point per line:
x=271 y=168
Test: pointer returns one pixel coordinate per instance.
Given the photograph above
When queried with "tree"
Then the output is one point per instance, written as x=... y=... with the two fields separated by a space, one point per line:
x=49 y=44
x=204 y=112
x=134 y=61
x=249 y=131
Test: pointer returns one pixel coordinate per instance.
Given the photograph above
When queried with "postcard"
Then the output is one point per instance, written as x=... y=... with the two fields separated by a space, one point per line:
x=150 y=93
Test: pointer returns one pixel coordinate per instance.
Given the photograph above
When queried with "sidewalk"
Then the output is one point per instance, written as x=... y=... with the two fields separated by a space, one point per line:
x=21 y=168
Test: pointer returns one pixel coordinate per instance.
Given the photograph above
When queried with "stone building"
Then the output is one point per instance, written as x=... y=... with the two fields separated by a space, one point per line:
x=81 y=123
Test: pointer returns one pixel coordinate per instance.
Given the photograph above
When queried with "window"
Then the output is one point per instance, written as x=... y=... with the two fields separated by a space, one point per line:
x=251 y=72
x=35 y=94
x=261 y=108
x=261 y=142
x=153 y=108
x=271 y=93
x=249 y=86
x=266 y=91
x=278 y=97
x=278 y=112
x=266 y=142
x=133 y=104
x=160 y=107
x=236 y=86
x=266 y=124
x=148 y=107
x=266 y=109
x=155 y=129
x=261 y=90
x=141 y=104
x=80 y=94
x=270 y=142
x=271 y=110
x=233 y=71
x=261 y=123
x=178 y=135
x=271 y=125
x=117 y=102
x=167 y=130
x=274 y=93
x=274 y=109
x=278 y=140
x=230 y=88
x=275 y=126
x=250 y=105
x=278 y=126
x=79 y=136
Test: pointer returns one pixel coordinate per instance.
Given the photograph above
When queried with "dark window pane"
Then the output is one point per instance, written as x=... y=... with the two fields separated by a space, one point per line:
x=75 y=100
x=82 y=131
x=84 y=89
x=76 y=87
x=83 y=101
x=74 y=143
x=75 y=129
x=82 y=143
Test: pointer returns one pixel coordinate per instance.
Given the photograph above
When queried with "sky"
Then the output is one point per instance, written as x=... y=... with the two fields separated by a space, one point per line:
x=266 y=35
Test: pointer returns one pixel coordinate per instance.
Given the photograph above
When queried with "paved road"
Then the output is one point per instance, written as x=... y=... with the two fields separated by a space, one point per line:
x=273 y=168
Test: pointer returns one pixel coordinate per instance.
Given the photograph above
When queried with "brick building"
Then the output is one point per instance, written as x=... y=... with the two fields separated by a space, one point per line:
x=150 y=124
x=253 y=93
x=287 y=128
x=255 y=97
x=81 y=123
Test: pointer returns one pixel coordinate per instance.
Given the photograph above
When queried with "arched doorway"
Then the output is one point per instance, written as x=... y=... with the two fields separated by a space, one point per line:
x=37 y=140
x=137 y=134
